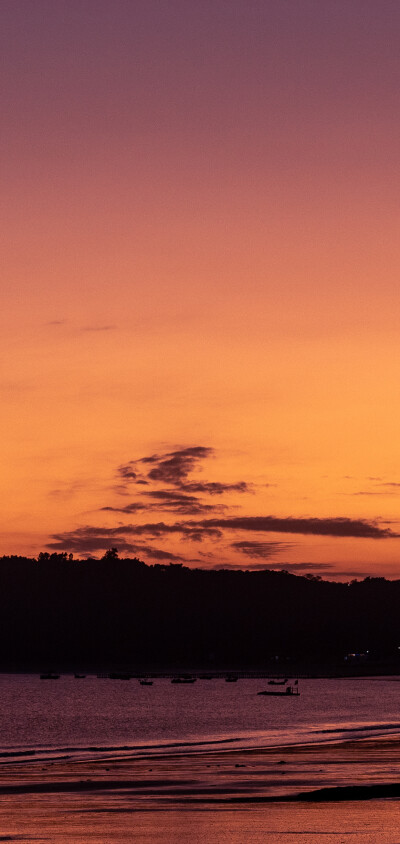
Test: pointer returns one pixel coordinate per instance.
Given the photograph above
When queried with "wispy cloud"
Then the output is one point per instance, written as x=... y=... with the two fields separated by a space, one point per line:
x=175 y=466
x=261 y=550
x=126 y=471
x=216 y=488
x=66 y=491
x=96 y=328
x=306 y=526
x=178 y=502
x=168 y=501
x=175 y=509
x=89 y=540
x=133 y=507
x=375 y=492
x=91 y=537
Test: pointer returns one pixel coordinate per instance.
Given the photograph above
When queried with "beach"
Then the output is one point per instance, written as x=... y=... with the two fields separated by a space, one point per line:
x=287 y=793
x=100 y=760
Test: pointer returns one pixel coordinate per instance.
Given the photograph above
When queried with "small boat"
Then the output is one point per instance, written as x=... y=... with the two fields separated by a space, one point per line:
x=48 y=675
x=231 y=678
x=290 y=691
x=79 y=676
x=146 y=682
x=183 y=680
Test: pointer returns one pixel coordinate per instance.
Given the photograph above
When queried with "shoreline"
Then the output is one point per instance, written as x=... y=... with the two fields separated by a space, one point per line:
x=350 y=770
x=291 y=672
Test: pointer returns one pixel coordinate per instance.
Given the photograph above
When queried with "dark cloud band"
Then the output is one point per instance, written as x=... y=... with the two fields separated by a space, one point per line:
x=357 y=528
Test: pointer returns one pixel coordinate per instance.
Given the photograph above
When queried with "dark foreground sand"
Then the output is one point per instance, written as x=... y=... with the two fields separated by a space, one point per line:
x=339 y=792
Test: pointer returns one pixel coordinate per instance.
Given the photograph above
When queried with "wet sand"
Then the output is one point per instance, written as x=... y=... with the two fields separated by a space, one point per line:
x=353 y=769
x=288 y=792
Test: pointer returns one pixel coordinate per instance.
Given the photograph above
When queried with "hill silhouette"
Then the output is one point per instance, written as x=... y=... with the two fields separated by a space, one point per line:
x=60 y=612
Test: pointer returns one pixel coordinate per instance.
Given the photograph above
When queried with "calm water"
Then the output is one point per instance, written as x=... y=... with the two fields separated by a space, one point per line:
x=70 y=713
x=193 y=748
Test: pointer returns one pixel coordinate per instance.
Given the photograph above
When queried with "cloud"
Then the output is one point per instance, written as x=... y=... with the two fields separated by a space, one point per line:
x=216 y=488
x=127 y=472
x=299 y=567
x=199 y=534
x=133 y=507
x=158 y=553
x=175 y=466
x=172 y=495
x=381 y=487
x=178 y=509
x=343 y=527
x=178 y=502
x=88 y=540
x=67 y=491
x=171 y=501
x=93 y=538
x=374 y=492
x=84 y=328
x=99 y=328
x=188 y=530
x=262 y=550
x=83 y=542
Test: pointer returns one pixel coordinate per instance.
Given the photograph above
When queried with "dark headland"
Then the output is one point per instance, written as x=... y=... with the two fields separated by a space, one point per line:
x=65 y=614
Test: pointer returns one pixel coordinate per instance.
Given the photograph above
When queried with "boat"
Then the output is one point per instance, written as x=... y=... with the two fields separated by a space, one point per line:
x=183 y=680
x=231 y=678
x=290 y=691
x=79 y=676
x=49 y=675
x=146 y=682
x=276 y=682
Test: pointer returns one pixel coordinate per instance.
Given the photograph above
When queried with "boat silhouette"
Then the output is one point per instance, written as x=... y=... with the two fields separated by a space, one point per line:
x=183 y=680
x=290 y=691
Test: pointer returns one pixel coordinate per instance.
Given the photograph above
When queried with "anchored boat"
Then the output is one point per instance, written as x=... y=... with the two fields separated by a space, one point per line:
x=290 y=691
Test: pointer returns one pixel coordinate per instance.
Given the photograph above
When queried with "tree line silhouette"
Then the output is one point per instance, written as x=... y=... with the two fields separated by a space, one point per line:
x=56 y=611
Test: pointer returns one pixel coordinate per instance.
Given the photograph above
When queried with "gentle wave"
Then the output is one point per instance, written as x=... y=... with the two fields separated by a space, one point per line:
x=125 y=749
x=256 y=741
x=360 y=728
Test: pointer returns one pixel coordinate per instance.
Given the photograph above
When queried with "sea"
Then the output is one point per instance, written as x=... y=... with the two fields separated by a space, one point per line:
x=107 y=761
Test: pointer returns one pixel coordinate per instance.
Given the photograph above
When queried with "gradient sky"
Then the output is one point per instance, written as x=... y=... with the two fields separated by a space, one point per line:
x=200 y=267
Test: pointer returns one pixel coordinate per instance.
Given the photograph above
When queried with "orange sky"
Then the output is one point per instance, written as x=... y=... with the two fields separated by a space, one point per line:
x=200 y=249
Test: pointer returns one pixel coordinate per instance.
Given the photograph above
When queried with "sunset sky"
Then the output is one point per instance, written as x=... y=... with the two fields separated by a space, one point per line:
x=200 y=282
